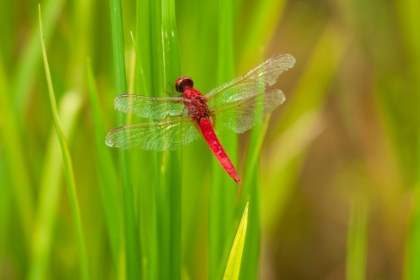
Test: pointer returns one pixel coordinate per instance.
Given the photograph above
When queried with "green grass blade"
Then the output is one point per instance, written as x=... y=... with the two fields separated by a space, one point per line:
x=157 y=68
x=250 y=192
x=164 y=67
x=69 y=110
x=147 y=191
x=164 y=207
x=357 y=240
x=118 y=46
x=410 y=24
x=130 y=228
x=259 y=29
x=107 y=176
x=258 y=133
x=172 y=70
x=68 y=168
x=143 y=47
x=412 y=254
x=25 y=72
x=14 y=158
x=5 y=208
x=234 y=263
x=222 y=187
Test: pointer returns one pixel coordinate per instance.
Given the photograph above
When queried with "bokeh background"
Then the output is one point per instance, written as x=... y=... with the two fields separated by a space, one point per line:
x=338 y=169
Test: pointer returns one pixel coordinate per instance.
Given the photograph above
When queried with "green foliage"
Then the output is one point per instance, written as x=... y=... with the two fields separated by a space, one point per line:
x=67 y=163
x=357 y=240
x=349 y=129
x=233 y=266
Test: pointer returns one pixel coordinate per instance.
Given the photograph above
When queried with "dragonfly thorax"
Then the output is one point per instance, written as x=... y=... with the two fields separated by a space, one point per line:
x=196 y=104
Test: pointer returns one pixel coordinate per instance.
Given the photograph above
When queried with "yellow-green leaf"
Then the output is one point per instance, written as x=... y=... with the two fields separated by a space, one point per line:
x=234 y=263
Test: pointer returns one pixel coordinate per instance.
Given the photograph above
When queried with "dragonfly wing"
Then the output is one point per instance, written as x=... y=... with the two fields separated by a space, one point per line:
x=149 y=107
x=253 y=82
x=155 y=136
x=242 y=114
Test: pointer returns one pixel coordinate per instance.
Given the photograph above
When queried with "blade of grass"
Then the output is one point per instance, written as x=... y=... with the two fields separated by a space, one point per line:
x=118 y=46
x=356 y=241
x=162 y=192
x=14 y=158
x=107 y=176
x=5 y=207
x=69 y=110
x=200 y=58
x=258 y=133
x=222 y=187
x=172 y=70
x=25 y=72
x=164 y=66
x=412 y=247
x=148 y=188
x=259 y=29
x=410 y=22
x=198 y=39
x=68 y=168
x=157 y=69
x=233 y=267
x=250 y=193
x=143 y=46
x=130 y=228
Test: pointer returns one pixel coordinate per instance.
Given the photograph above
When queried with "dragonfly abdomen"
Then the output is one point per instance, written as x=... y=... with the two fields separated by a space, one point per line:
x=217 y=149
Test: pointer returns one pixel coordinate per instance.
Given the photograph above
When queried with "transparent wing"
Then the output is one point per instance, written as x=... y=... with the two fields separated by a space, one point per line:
x=149 y=107
x=155 y=136
x=242 y=114
x=252 y=83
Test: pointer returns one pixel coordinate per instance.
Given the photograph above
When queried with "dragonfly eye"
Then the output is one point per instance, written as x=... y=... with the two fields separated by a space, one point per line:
x=183 y=82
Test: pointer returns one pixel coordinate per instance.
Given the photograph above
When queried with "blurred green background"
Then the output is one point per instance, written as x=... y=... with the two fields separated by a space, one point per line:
x=335 y=190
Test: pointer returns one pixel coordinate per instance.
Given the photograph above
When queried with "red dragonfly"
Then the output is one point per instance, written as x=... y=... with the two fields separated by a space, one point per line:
x=236 y=105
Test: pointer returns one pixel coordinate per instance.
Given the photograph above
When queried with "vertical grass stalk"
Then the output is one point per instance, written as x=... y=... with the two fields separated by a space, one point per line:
x=357 y=240
x=172 y=70
x=222 y=188
x=15 y=165
x=107 y=176
x=233 y=267
x=130 y=228
x=68 y=167
x=147 y=190
x=50 y=188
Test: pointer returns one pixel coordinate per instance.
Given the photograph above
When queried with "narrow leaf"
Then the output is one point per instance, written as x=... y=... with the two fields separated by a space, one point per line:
x=68 y=166
x=234 y=263
x=357 y=239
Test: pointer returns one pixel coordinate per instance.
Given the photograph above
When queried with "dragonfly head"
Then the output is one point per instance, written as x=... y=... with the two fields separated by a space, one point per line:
x=182 y=83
